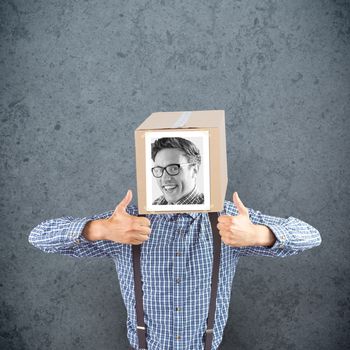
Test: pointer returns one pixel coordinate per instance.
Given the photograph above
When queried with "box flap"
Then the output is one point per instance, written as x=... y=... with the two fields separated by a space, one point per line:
x=183 y=119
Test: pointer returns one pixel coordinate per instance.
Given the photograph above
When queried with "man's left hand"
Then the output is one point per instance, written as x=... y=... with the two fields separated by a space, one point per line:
x=237 y=231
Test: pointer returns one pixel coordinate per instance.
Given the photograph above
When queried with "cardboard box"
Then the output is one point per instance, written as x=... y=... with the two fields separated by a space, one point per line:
x=197 y=141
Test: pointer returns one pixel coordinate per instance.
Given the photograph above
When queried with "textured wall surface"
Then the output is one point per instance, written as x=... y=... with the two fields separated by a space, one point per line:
x=77 y=77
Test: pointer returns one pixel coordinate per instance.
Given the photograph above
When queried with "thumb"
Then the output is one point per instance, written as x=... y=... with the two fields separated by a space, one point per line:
x=121 y=207
x=242 y=210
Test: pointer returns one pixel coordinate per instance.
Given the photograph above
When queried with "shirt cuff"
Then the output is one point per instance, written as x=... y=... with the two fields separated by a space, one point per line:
x=280 y=233
x=75 y=231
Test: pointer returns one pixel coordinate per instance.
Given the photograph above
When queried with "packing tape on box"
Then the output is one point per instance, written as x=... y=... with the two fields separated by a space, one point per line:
x=182 y=120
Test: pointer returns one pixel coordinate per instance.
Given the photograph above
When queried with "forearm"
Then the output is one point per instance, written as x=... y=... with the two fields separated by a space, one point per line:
x=65 y=236
x=292 y=236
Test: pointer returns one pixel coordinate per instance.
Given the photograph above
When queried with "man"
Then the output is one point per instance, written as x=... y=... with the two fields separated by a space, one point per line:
x=176 y=261
x=176 y=165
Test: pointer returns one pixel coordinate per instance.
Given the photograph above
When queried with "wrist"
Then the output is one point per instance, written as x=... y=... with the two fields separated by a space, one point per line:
x=95 y=230
x=263 y=236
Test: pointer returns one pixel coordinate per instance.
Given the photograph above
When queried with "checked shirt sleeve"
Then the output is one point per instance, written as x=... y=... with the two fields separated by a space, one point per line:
x=64 y=236
x=293 y=236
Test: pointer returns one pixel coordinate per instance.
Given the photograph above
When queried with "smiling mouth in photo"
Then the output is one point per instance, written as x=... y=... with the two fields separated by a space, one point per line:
x=169 y=188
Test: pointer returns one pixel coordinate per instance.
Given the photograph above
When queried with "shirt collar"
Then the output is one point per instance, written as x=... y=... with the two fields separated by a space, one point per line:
x=173 y=216
x=187 y=199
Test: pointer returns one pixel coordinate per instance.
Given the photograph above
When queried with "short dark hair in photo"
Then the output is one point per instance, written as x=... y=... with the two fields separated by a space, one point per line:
x=189 y=148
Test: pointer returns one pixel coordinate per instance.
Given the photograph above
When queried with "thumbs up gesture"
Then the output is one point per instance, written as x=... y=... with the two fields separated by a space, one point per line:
x=122 y=227
x=237 y=231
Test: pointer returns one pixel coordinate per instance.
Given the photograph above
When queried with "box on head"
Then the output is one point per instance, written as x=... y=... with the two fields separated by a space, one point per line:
x=181 y=163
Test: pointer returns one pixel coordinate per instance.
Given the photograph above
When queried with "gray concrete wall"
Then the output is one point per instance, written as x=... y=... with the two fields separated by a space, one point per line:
x=77 y=77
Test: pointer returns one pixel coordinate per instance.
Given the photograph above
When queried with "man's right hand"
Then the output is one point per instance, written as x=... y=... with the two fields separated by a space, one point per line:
x=122 y=227
x=125 y=228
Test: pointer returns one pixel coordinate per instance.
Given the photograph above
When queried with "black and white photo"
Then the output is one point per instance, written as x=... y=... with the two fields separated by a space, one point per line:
x=177 y=170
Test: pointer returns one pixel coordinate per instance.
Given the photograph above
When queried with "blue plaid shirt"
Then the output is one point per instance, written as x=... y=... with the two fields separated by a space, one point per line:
x=176 y=266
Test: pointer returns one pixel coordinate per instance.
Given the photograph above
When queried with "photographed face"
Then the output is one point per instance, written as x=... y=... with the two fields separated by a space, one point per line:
x=175 y=187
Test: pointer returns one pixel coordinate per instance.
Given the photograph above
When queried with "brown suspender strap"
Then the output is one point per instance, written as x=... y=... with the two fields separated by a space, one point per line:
x=141 y=327
x=209 y=333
